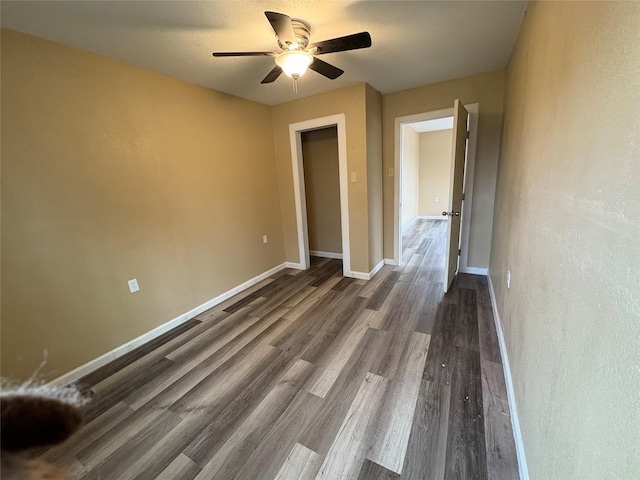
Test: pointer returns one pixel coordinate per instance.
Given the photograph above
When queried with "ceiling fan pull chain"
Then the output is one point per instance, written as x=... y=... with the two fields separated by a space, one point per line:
x=295 y=84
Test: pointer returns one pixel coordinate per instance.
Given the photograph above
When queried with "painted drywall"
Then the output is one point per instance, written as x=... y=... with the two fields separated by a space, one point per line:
x=322 y=189
x=567 y=227
x=351 y=102
x=434 y=172
x=373 y=104
x=410 y=174
x=111 y=172
x=488 y=90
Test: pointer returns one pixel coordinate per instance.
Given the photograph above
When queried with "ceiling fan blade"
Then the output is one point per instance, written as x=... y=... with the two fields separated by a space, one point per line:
x=326 y=69
x=272 y=75
x=244 y=54
x=283 y=27
x=341 y=44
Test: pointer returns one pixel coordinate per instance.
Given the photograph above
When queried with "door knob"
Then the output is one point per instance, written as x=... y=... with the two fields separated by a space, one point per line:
x=451 y=214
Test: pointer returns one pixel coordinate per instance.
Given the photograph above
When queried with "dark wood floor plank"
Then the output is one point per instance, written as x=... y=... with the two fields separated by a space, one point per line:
x=103 y=401
x=166 y=389
x=395 y=421
x=466 y=454
x=427 y=448
x=320 y=433
x=300 y=463
x=116 y=464
x=466 y=324
x=210 y=440
x=269 y=289
x=372 y=471
x=355 y=435
x=269 y=456
x=182 y=468
x=96 y=450
x=230 y=457
x=333 y=267
x=489 y=348
x=500 y=445
x=342 y=284
x=113 y=367
x=381 y=293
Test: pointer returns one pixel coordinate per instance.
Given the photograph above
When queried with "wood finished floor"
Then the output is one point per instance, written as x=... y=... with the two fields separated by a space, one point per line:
x=312 y=375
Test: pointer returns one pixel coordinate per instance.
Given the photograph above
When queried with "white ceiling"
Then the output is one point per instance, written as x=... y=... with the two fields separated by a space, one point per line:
x=434 y=125
x=414 y=42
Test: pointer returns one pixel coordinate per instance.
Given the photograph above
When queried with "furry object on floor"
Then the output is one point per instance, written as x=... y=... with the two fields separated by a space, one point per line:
x=33 y=416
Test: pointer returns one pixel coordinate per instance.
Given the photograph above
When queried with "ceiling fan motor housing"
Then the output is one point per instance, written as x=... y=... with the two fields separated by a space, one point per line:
x=302 y=31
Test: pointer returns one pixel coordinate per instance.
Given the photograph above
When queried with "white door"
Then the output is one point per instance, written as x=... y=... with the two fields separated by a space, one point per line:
x=458 y=152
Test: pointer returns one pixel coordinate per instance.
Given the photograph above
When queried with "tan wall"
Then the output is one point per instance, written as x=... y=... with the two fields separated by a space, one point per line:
x=322 y=188
x=111 y=172
x=567 y=226
x=351 y=102
x=488 y=90
x=410 y=174
x=374 y=174
x=434 y=172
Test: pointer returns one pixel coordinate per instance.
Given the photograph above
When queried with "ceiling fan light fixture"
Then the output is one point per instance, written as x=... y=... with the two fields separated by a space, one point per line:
x=294 y=63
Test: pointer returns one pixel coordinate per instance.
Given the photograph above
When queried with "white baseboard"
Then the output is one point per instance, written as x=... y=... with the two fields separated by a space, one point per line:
x=390 y=261
x=317 y=253
x=366 y=276
x=296 y=266
x=475 y=270
x=102 y=360
x=376 y=269
x=515 y=423
x=432 y=217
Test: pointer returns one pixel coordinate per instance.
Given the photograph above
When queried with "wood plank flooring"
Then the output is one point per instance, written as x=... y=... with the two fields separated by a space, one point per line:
x=311 y=375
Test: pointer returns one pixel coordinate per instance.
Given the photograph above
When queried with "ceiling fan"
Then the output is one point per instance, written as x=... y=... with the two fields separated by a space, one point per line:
x=297 y=54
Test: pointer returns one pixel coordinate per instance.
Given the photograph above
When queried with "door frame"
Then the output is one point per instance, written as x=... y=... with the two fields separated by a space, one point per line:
x=295 y=137
x=469 y=172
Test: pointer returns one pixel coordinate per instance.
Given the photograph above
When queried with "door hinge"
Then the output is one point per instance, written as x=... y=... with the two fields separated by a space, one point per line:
x=467 y=134
x=459 y=252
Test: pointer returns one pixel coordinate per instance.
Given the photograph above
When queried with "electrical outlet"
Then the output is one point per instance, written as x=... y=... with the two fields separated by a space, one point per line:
x=133 y=285
x=265 y=239
x=354 y=177
x=508 y=279
x=390 y=172
x=436 y=199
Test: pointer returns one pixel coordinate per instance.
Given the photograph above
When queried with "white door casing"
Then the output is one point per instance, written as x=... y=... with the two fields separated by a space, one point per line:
x=469 y=171
x=295 y=137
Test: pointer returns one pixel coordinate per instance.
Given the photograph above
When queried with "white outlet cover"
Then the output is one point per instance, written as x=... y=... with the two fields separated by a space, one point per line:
x=436 y=199
x=354 y=177
x=265 y=239
x=508 y=279
x=133 y=285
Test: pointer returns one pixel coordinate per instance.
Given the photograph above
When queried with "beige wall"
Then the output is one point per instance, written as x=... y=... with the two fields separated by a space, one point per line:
x=567 y=227
x=488 y=90
x=351 y=102
x=374 y=174
x=434 y=172
x=410 y=174
x=111 y=172
x=322 y=188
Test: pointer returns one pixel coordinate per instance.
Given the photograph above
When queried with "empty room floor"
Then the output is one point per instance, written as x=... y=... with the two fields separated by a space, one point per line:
x=312 y=375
